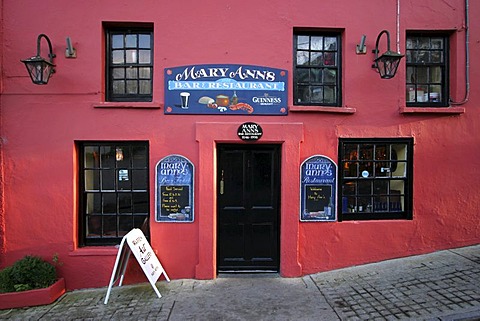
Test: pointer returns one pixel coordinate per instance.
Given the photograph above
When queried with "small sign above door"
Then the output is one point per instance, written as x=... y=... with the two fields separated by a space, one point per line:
x=250 y=131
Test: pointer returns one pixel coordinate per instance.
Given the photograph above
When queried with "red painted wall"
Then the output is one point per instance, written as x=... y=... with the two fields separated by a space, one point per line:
x=40 y=125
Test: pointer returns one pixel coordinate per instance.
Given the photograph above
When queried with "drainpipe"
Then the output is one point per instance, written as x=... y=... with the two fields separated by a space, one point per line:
x=467 y=59
x=398 y=26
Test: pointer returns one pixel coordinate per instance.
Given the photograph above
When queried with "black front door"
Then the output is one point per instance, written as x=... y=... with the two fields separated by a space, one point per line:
x=248 y=194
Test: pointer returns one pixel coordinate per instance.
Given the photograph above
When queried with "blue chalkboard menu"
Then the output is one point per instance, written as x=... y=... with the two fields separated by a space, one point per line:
x=226 y=90
x=174 y=189
x=318 y=192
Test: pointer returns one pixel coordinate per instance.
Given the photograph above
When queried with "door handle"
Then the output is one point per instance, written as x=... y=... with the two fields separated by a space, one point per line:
x=222 y=184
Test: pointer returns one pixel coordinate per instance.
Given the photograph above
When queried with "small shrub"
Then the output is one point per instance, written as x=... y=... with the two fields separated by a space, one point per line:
x=6 y=282
x=29 y=273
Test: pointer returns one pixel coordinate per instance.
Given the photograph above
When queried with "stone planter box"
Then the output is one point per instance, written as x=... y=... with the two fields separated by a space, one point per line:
x=32 y=297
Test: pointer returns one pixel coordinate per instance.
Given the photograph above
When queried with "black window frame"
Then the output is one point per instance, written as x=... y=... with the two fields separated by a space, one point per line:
x=300 y=69
x=113 y=179
x=382 y=202
x=419 y=57
x=133 y=72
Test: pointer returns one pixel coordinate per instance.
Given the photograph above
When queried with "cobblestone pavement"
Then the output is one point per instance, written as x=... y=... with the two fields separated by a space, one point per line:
x=444 y=286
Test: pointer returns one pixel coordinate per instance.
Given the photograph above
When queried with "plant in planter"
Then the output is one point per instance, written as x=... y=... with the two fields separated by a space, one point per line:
x=29 y=281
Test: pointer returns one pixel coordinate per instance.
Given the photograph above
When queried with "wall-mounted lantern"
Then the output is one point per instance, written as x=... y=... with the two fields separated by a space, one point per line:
x=388 y=62
x=38 y=67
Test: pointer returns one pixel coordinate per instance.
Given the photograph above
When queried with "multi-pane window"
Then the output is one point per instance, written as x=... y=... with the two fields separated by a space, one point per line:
x=317 y=69
x=114 y=190
x=376 y=179
x=129 y=64
x=427 y=70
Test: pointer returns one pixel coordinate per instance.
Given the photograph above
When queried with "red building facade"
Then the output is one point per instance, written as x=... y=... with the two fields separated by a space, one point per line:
x=85 y=158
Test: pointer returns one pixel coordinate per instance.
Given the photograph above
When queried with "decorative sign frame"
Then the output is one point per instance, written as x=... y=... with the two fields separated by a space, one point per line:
x=318 y=189
x=135 y=242
x=174 y=189
x=226 y=90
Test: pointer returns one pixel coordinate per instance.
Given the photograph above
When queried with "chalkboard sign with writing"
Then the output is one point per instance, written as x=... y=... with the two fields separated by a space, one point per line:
x=174 y=189
x=318 y=179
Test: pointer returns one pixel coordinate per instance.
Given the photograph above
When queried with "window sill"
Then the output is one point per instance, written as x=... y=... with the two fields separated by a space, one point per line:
x=320 y=109
x=126 y=104
x=95 y=251
x=432 y=110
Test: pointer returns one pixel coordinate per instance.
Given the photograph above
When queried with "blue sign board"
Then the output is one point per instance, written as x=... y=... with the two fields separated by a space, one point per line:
x=174 y=189
x=318 y=192
x=226 y=90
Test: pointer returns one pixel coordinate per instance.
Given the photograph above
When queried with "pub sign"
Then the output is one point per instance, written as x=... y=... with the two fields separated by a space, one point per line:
x=226 y=90
x=174 y=189
x=318 y=181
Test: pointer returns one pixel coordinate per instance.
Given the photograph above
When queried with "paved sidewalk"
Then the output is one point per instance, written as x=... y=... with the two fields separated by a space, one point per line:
x=444 y=285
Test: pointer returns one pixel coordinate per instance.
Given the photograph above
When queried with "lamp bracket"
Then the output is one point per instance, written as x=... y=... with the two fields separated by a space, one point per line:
x=70 y=52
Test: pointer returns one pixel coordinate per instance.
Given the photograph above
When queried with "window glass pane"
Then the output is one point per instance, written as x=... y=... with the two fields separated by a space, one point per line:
x=132 y=73
x=424 y=42
x=144 y=73
x=302 y=57
x=437 y=43
x=123 y=156
x=303 y=75
x=117 y=41
x=437 y=57
x=110 y=225
x=94 y=226
x=131 y=56
x=139 y=220
x=119 y=87
x=107 y=154
x=423 y=56
x=400 y=151
x=329 y=59
x=330 y=94
x=92 y=180
x=144 y=56
x=145 y=87
x=144 y=41
x=422 y=74
x=91 y=157
x=366 y=152
x=435 y=93
x=330 y=43
x=124 y=203
x=132 y=87
x=131 y=40
x=410 y=43
x=109 y=204
x=316 y=75
x=316 y=58
x=317 y=94
x=118 y=73
x=94 y=203
x=303 y=42
x=303 y=94
x=125 y=224
x=108 y=179
x=140 y=202
x=139 y=157
x=435 y=74
x=117 y=57
x=329 y=76
x=317 y=43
